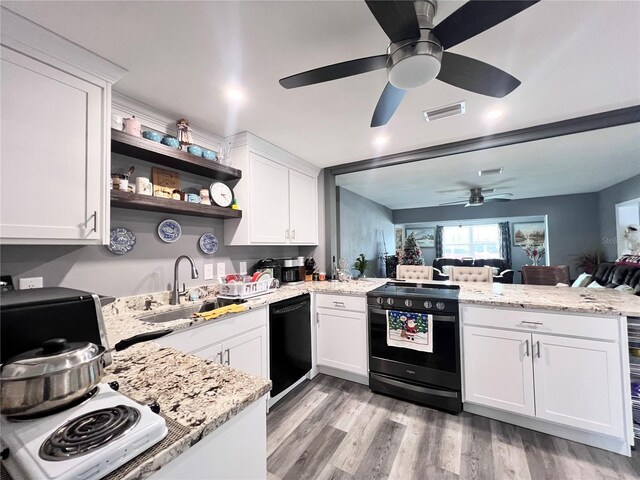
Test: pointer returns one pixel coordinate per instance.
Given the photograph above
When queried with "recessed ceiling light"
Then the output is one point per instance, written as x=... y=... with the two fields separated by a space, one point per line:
x=235 y=94
x=493 y=114
x=381 y=140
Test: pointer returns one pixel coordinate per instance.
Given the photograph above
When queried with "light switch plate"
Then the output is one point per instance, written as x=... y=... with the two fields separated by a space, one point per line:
x=208 y=271
x=33 y=282
x=243 y=268
x=221 y=271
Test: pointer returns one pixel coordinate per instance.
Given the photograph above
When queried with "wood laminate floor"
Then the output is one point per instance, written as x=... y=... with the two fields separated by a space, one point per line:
x=334 y=429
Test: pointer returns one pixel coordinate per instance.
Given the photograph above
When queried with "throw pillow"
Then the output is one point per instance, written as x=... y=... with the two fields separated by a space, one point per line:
x=582 y=281
x=594 y=285
x=632 y=260
x=625 y=288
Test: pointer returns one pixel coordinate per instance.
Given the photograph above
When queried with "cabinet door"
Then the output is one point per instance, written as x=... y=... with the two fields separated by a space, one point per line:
x=52 y=186
x=342 y=340
x=269 y=200
x=247 y=352
x=498 y=371
x=303 y=208
x=212 y=353
x=578 y=383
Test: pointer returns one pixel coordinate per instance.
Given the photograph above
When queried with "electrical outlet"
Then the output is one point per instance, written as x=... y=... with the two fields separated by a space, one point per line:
x=208 y=271
x=221 y=272
x=33 y=282
x=243 y=268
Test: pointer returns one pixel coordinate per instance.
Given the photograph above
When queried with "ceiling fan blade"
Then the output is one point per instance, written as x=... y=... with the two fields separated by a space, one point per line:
x=475 y=17
x=497 y=200
x=387 y=105
x=505 y=194
x=476 y=76
x=335 y=71
x=397 y=18
x=461 y=202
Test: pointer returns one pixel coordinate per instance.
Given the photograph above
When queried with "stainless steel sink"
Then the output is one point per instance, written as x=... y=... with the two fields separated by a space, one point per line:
x=178 y=313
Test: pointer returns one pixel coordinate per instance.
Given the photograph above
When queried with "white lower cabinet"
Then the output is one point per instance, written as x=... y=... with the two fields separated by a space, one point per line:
x=498 y=369
x=342 y=334
x=545 y=370
x=239 y=341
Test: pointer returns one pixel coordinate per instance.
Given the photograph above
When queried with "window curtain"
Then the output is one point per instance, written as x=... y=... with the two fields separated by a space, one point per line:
x=505 y=242
x=439 y=241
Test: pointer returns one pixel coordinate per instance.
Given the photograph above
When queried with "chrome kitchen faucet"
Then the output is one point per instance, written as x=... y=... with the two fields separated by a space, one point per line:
x=175 y=297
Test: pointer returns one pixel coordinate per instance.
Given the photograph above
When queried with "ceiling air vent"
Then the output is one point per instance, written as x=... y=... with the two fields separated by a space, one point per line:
x=493 y=171
x=443 y=112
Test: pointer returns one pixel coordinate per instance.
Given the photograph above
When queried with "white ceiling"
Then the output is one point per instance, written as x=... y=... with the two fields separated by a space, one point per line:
x=578 y=163
x=573 y=57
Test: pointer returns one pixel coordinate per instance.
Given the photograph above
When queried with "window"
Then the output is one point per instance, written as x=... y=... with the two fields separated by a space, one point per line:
x=476 y=241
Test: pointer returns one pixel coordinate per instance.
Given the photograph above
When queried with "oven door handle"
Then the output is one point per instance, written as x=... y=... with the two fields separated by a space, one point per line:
x=415 y=388
x=441 y=318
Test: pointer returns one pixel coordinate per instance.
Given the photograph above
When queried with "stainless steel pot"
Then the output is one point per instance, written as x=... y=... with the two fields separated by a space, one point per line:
x=56 y=374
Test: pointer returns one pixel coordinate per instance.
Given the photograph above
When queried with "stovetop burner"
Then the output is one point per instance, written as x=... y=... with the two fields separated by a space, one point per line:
x=89 y=432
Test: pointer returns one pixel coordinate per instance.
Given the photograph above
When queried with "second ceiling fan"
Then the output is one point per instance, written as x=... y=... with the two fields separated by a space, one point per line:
x=416 y=54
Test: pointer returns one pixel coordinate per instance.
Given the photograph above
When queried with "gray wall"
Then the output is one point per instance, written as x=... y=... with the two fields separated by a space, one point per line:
x=607 y=199
x=361 y=226
x=147 y=268
x=572 y=228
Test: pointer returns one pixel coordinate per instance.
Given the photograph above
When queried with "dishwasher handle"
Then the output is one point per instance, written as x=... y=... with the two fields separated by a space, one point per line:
x=291 y=308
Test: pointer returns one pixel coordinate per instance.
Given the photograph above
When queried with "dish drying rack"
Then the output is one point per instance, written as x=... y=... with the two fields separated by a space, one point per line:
x=240 y=290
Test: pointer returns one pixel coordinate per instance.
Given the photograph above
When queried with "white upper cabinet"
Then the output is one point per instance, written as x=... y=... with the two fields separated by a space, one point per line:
x=55 y=138
x=278 y=195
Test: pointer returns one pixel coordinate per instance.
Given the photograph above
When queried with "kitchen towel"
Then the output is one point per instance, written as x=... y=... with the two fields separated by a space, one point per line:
x=410 y=330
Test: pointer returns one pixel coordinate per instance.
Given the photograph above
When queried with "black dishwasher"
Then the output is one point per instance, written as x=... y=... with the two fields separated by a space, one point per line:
x=289 y=341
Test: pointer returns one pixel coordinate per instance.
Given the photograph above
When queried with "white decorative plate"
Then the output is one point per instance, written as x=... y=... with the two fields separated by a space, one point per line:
x=209 y=243
x=121 y=241
x=169 y=231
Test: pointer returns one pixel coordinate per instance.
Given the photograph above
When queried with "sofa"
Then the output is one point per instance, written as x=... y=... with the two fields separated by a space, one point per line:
x=504 y=275
x=612 y=275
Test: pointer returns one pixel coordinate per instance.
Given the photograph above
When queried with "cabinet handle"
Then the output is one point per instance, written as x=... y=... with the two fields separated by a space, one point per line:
x=526 y=322
x=339 y=304
x=95 y=220
x=526 y=342
x=286 y=234
x=219 y=354
x=293 y=234
x=228 y=362
x=538 y=342
x=317 y=318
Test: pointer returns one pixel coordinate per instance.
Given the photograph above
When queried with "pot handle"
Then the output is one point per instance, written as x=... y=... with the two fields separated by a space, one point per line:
x=143 y=337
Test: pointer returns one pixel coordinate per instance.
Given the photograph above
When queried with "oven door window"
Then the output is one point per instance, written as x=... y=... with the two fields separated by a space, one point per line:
x=444 y=343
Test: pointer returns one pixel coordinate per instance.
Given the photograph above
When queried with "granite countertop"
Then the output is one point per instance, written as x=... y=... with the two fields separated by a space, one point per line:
x=202 y=395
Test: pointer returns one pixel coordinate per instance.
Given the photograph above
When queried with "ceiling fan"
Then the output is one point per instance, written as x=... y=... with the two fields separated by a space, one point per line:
x=416 y=54
x=477 y=199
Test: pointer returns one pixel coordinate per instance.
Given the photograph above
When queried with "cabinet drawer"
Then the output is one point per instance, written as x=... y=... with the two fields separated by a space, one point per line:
x=212 y=332
x=602 y=328
x=342 y=302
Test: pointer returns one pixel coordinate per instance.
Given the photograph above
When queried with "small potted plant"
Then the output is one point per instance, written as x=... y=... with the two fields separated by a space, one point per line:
x=361 y=265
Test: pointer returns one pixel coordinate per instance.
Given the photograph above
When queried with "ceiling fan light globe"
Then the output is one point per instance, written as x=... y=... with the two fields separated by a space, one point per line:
x=414 y=71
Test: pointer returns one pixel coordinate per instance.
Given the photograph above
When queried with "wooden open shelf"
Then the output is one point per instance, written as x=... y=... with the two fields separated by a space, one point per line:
x=159 y=154
x=135 y=201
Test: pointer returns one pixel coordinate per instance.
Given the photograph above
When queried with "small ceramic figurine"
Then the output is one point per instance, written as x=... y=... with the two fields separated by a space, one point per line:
x=184 y=132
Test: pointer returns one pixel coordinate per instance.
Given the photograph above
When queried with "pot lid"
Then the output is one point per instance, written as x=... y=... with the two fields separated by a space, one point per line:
x=55 y=355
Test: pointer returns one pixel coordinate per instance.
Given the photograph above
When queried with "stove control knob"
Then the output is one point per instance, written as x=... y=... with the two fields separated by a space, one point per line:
x=428 y=304
x=408 y=303
x=155 y=408
x=440 y=306
x=380 y=300
x=114 y=385
x=389 y=301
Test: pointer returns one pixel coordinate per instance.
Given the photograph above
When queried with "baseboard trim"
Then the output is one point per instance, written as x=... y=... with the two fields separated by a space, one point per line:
x=611 y=444
x=336 y=372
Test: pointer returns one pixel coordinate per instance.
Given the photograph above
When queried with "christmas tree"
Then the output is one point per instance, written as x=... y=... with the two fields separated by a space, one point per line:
x=412 y=254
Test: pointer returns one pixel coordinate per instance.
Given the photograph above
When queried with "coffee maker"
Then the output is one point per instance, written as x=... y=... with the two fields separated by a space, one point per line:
x=292 y=271
x=271 y=266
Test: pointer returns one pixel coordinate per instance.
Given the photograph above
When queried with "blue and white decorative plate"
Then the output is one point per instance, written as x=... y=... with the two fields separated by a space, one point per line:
x=121 y=241
x=209 y=243
x=169 y=231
